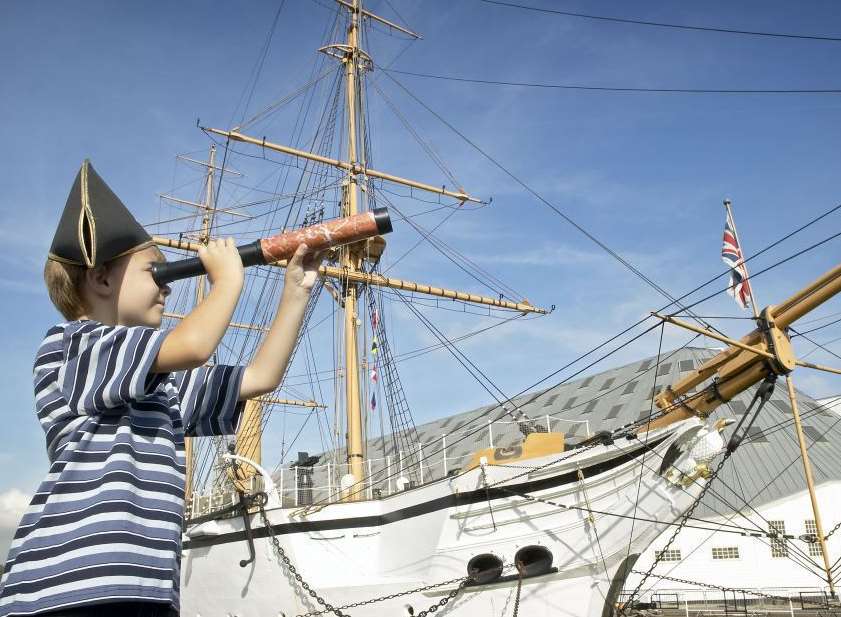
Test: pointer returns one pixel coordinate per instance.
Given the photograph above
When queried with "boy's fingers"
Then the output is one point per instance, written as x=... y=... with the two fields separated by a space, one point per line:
x=300 y=252
x=315 y=259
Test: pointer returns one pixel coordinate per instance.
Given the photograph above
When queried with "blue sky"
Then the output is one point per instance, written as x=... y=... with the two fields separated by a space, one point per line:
x=124 y=83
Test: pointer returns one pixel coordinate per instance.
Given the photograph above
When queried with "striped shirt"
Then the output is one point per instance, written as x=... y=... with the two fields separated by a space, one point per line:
x=105 y=524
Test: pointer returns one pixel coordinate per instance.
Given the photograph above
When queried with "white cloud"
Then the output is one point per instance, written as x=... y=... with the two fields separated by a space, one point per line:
x=13 y=503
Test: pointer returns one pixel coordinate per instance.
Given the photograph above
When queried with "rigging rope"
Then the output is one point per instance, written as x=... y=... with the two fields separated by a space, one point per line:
x=640 y=22
x=621 y=89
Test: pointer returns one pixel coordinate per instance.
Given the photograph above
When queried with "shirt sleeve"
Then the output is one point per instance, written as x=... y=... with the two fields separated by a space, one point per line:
x=106 y=367
x=209 y=398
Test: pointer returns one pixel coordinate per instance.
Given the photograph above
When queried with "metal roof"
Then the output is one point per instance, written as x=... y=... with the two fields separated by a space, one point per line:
x=765 y=468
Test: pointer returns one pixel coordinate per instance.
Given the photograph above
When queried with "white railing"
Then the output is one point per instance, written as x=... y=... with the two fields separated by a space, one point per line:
x=693 y=601
x=385 y=475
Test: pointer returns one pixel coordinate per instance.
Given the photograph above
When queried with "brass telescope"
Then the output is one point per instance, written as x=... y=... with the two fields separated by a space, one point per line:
x=282 y=246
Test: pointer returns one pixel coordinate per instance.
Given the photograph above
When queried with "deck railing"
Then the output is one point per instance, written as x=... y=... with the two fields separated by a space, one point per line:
x=389 y=474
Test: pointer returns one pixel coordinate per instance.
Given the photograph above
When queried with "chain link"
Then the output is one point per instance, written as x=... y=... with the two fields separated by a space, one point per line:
x=517 y=597
x=834 y=529
x=337 y=610
x=751 y=592
x=462 y=581
x=658 y=555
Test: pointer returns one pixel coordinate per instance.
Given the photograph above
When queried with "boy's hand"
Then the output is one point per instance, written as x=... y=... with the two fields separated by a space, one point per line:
x=302 y=270
x=222 y=262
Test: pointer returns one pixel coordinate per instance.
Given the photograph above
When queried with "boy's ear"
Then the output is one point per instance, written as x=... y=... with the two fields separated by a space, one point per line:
x=98 y=281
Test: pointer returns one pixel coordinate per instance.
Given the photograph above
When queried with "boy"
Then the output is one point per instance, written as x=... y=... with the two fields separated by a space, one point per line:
x=102 y=535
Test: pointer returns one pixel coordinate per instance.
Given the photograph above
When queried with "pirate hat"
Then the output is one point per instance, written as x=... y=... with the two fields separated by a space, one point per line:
x=95 y=226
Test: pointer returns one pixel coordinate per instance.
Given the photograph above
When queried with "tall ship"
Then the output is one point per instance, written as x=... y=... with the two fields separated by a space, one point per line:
x=510 y=509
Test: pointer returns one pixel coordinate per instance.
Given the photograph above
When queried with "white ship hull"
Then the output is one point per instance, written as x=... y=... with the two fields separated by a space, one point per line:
x=351 y=552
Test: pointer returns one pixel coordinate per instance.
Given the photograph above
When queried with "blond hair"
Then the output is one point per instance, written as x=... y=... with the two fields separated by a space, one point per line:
x=64 y=284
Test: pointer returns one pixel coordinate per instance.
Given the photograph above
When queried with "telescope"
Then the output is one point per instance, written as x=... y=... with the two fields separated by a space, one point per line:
x=282 y=246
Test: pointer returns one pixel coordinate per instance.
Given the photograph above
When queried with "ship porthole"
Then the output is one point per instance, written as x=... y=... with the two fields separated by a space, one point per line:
x=484 y=568
x=533 y=560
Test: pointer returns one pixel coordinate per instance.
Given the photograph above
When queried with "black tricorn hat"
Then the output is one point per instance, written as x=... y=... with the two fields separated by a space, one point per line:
x=95 y=226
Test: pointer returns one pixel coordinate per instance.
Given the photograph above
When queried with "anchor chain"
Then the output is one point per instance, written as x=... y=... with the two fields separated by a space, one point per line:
x=763 y=393
x=834 y=529
x=517 y=597
x=338 y=610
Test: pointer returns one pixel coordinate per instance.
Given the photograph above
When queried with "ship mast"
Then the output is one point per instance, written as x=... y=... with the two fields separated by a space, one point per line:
x=350 y=273
x=351 y=257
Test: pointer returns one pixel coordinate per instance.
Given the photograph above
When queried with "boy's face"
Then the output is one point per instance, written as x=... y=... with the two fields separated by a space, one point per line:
x=140 y=302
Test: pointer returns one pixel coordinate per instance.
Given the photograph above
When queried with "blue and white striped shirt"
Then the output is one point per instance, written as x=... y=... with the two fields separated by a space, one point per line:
x=105 y=524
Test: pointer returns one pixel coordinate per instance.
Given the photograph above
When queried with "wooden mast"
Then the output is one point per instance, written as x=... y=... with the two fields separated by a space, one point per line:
x=351 y=260
x=350 y=273
x=206 y=224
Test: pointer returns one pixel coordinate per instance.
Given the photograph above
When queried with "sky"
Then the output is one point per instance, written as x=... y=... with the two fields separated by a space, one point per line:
x=125 y=84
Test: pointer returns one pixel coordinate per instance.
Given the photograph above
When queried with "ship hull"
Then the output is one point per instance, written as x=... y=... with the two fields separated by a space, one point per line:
x=353 y=552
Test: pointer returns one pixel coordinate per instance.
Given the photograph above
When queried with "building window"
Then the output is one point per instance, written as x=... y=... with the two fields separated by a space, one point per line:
x=591 y=406
x=778 y=545
x=814 y=434
x=570 y=403
x=664 y=369
x=608 y=383
x=726 y=552
x=686 y=366
x=551 y=400
x=756 y=435
x=630 y=388
x=645 y=366
x=614 y=412
x=812 y=530
x=738 y=407
x=673 y=554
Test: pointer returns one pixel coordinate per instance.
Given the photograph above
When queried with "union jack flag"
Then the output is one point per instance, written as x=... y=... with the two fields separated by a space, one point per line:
x=731 y=254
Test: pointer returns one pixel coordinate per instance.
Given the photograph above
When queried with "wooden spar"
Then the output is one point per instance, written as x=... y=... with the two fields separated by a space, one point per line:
x=386 y=22
x=187 y=202
x=269 y=400
x=377 y=280
x=352 y=168
x=810 y=483
x=233 y=324
x=713 y=335
x=749 y=360
x=809 y=298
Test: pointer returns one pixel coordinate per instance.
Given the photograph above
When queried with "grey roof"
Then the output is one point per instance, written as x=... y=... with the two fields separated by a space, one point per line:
x=765 y=468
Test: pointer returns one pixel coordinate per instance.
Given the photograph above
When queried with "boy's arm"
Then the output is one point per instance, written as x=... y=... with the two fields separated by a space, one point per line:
x=193 y=341
x=266 y=369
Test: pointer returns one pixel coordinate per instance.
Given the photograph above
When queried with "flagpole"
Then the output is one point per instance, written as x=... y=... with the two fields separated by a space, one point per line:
x=792 y=397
